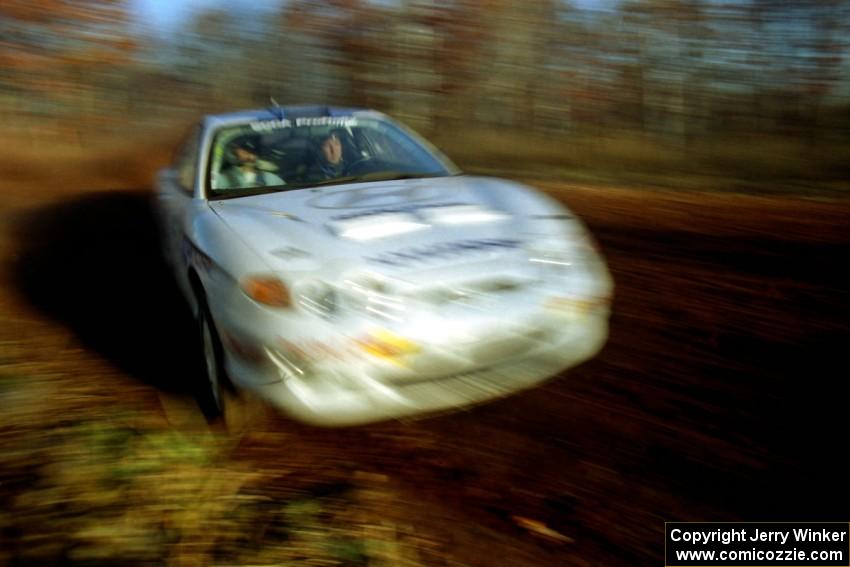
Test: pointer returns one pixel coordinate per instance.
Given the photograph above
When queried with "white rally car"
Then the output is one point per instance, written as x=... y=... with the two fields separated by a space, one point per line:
x=345 y=271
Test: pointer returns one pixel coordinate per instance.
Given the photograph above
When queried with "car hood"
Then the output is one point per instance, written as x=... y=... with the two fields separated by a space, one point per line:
x=390 y=225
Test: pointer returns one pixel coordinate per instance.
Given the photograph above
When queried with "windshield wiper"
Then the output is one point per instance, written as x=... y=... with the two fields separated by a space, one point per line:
x=223 y=194
x=376 y=176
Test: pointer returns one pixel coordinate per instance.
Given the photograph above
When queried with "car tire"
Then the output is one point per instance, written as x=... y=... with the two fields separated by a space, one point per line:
x=212 y=383
x=219 y=400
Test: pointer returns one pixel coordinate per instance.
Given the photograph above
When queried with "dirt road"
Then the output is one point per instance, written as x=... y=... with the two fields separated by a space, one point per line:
x=720 y=396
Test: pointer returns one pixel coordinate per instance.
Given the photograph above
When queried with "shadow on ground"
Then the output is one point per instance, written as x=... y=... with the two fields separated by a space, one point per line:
x=94 y=264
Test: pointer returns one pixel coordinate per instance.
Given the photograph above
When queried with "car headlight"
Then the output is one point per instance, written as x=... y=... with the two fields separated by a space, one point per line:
x=375 y=295
x=267 y=290
x=317 y=297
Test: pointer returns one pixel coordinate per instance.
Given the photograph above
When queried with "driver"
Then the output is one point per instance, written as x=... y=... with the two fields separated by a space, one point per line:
x=331 y=162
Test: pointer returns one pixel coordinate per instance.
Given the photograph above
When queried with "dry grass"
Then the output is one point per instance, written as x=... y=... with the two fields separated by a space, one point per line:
x=109 y=486
x=748 y=164
x=115 y=162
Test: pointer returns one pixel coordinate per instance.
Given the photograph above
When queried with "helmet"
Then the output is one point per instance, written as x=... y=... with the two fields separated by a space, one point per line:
x=250 y=142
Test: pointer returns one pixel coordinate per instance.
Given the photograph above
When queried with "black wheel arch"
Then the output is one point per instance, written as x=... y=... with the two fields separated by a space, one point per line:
x=199 y=295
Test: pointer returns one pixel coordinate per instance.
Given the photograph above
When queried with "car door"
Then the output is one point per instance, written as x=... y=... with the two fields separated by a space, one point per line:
x=175 y=192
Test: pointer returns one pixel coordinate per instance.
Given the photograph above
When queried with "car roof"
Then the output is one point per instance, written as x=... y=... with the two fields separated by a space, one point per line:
x=278 y=112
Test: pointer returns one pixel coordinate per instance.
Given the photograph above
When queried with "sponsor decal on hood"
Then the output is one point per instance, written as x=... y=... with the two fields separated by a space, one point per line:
x=442 y=250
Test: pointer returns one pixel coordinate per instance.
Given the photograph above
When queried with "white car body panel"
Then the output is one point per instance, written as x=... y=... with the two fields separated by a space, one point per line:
x=462 y=301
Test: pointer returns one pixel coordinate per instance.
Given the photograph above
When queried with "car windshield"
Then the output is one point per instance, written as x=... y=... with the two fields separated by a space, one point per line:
x=282 y=154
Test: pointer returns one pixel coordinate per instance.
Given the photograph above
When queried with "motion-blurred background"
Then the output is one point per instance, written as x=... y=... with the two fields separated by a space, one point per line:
x=720 y=396
x=720 y=94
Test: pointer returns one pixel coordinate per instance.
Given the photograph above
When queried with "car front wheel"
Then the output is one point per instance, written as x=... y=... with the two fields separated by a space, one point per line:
x=212 y=389
x=218 y=399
